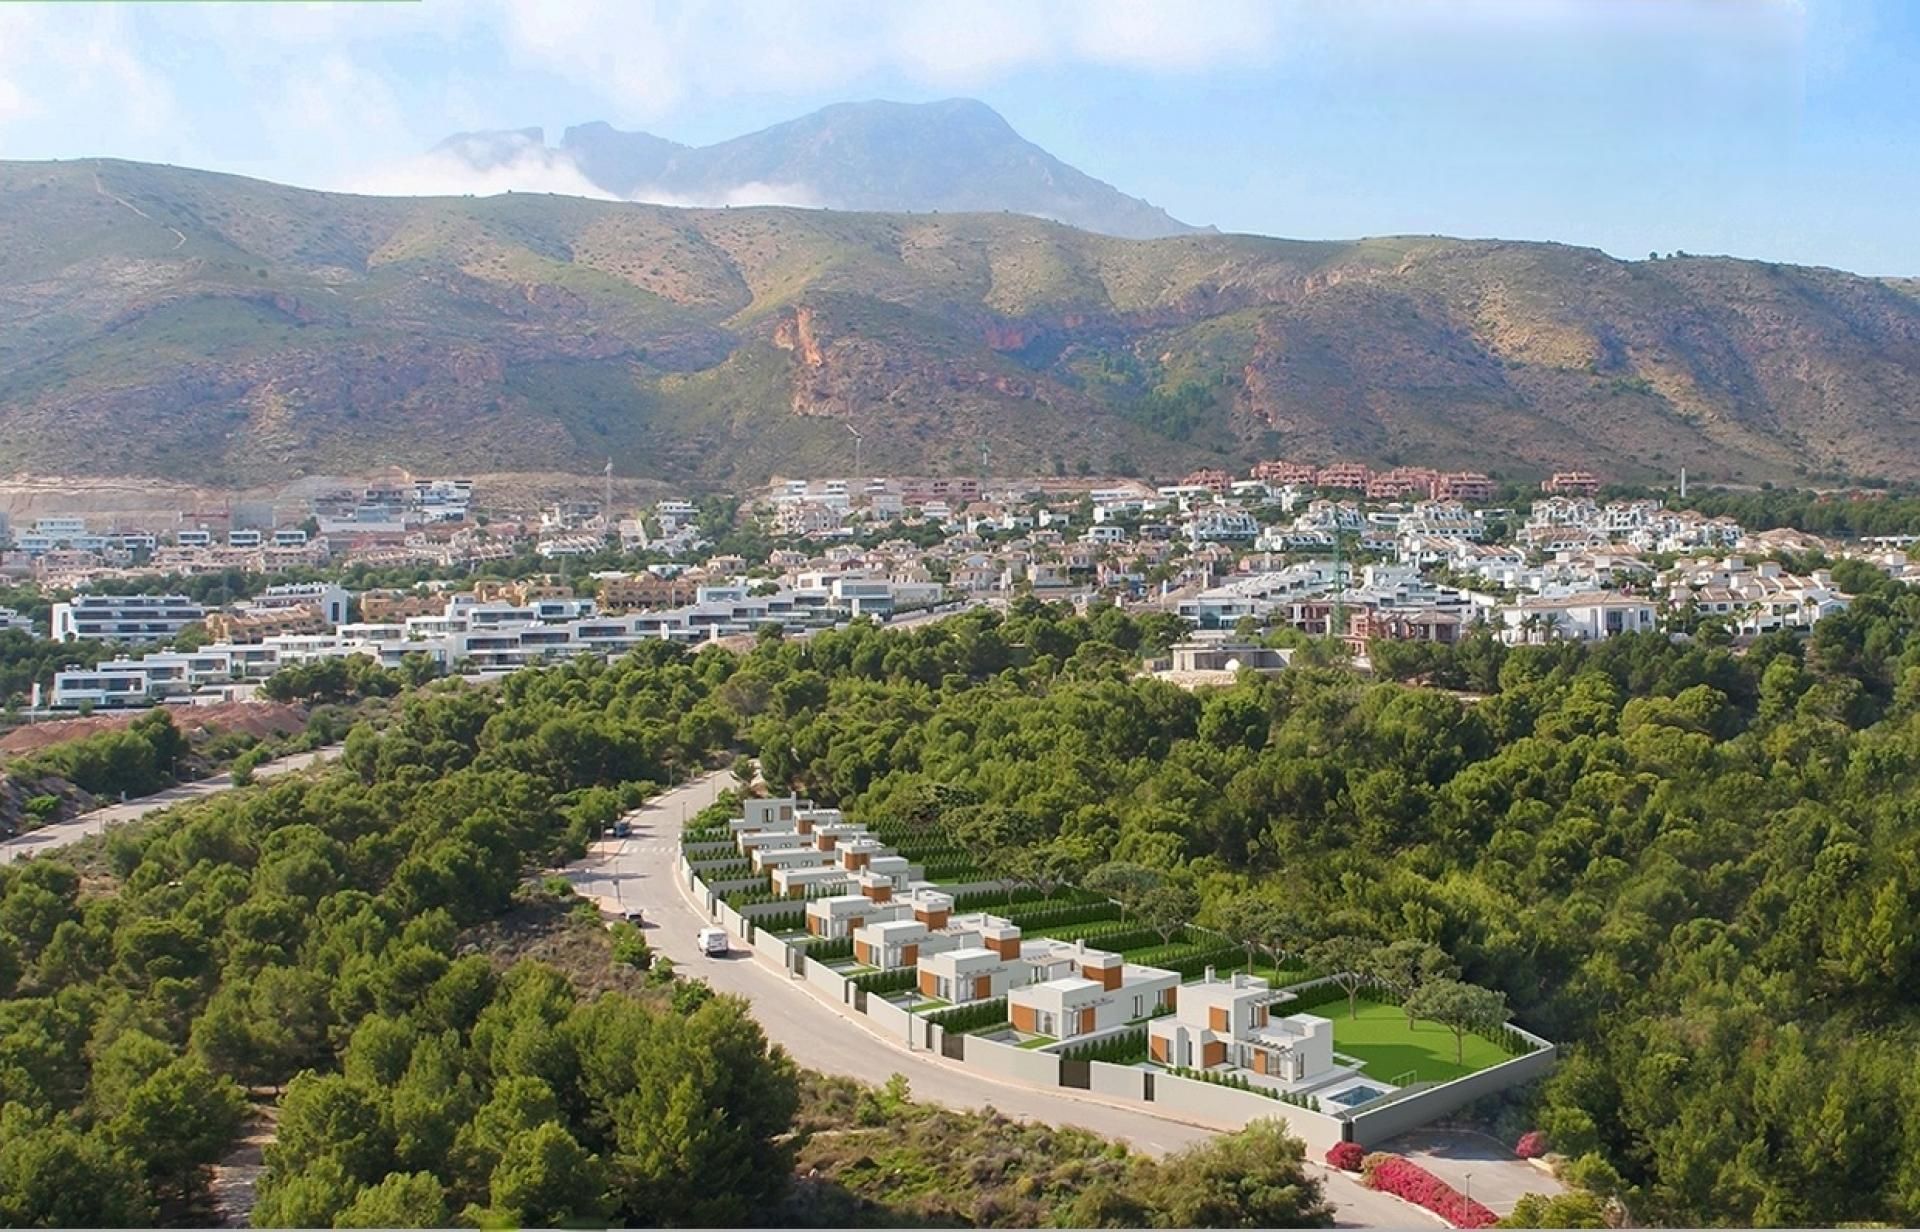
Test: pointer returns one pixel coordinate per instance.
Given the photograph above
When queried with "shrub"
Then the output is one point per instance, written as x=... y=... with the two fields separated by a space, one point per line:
x=1532 y=1145
x=1405 y=1179
x=1346 y=1156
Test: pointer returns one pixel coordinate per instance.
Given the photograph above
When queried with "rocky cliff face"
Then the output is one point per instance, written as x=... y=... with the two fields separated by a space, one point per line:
x=155 y=321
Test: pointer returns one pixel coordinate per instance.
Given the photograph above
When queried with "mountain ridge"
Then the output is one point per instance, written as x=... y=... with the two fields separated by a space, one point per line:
x=955 y=155
x=168 y=322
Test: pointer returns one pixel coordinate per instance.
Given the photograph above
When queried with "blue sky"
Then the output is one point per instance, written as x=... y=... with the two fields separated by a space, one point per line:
x=1782 y=129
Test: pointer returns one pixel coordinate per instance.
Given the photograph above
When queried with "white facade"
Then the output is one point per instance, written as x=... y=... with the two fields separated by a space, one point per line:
x=124 y=618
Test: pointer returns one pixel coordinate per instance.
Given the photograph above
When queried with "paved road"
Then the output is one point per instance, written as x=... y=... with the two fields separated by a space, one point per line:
x=1477 y=1165
x=54 y=837
x=638 y=872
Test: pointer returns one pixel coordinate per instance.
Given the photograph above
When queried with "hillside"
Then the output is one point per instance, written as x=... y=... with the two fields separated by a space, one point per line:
x=954 y=156
x=168 y=322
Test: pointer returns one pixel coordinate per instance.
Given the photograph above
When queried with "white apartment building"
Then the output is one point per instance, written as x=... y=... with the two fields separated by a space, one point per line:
x=124 y=618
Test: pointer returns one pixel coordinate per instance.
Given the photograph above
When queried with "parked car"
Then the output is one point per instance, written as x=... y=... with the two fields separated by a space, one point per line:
x=713 y=942
x=634 y=918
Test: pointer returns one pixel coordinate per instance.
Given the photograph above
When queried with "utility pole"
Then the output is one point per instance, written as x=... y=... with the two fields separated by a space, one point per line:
x=1337 y=619
x=858 y=441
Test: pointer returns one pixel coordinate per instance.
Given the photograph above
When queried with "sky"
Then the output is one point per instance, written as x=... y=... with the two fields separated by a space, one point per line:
x=1787 y=130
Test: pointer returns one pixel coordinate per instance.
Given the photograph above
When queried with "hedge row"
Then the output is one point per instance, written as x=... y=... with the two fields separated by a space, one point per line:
x=1123 y=1049
x=1119 y=935
x=878 y=983
x=830 y=951
x=973 y=1016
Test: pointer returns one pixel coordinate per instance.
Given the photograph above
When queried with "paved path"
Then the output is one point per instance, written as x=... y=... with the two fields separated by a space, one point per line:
x=60 y=834
x=638 y=872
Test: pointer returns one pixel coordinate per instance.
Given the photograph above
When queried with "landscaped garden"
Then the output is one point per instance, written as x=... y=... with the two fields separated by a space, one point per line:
x=1380 y=1039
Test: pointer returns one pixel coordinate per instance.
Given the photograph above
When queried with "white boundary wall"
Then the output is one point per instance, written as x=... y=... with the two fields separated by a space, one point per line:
x=773 y=949
x=1117 y=1081
x=829 y=981
x=893 y=1020
x=1226 y=1108
x=1376 y=1125
x=1021 y=1064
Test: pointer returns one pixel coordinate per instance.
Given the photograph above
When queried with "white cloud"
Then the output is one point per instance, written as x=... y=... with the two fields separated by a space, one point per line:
x=445 y=174
x=754 y=192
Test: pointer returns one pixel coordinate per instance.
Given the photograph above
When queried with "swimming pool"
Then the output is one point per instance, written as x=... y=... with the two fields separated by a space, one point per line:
x=1356 y=1095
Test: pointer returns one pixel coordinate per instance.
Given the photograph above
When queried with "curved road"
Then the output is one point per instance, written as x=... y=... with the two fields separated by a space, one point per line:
x=638 y=873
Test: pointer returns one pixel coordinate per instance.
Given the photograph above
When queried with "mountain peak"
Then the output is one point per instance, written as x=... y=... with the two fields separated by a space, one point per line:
x=950 y=155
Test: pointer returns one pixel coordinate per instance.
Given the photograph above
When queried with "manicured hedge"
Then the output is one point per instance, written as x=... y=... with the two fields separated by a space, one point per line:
x=972 y=1017
x=1122 y=1049
x=827 y=951
x=882 y=982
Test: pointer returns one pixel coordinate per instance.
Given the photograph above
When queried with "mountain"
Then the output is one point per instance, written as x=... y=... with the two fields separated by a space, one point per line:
x=156 y=321
x=956 y=156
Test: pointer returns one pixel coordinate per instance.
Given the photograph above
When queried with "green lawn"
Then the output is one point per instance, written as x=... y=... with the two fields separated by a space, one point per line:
x=1380 y=1040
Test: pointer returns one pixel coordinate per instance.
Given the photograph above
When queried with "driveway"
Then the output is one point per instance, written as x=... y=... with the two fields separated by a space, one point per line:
x=1475 y=1164
x=638 y=872
x=61 y=834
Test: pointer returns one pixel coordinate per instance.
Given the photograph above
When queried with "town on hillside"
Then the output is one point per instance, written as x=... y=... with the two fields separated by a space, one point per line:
x=206 y=606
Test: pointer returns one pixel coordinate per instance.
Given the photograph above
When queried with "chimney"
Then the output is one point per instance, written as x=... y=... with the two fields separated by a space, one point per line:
x=1209 y=978
x=1239 y=979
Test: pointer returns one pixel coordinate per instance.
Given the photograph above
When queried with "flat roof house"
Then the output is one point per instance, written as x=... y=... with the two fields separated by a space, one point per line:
x=1081 y=991
x=1229 y=1023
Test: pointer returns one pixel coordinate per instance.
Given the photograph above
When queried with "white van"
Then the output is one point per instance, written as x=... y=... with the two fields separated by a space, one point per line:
x=713 y=942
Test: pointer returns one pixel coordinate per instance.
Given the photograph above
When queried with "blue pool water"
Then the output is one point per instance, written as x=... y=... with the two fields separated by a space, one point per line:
x=1354 y=1096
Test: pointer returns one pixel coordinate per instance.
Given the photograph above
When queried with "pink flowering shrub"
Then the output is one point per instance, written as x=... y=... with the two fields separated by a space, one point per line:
x=1346 y=1156
x=1405 y=1179
x=1532 y=1145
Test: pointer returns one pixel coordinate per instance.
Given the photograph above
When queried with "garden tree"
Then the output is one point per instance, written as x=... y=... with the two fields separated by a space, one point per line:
x=1346 y=959
x=1124 y=882
x=1243 y=920
x=1256 y=1178
x=400 y=1200
x=1406 y=965
x=1460 y=1007
x=1045 y=866
x=1166 y=908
